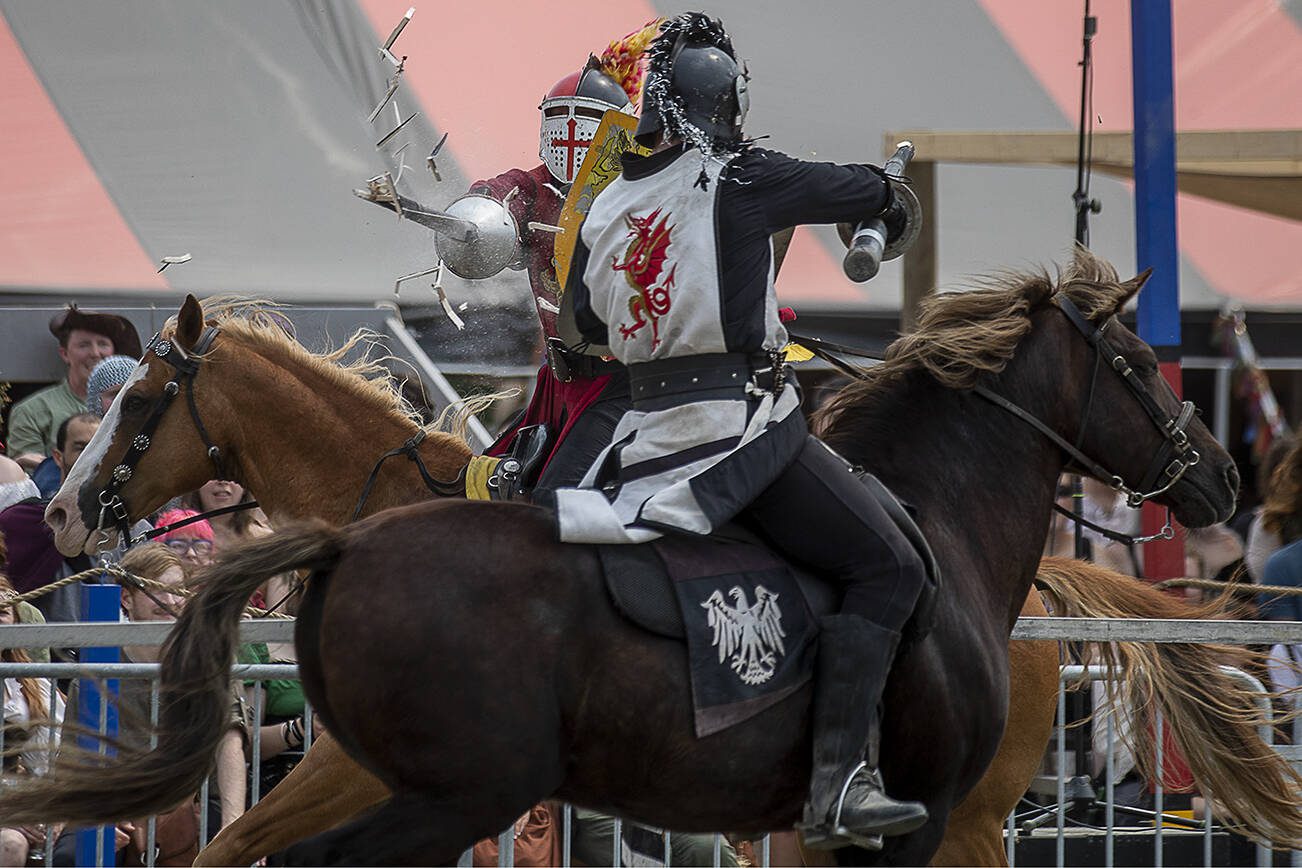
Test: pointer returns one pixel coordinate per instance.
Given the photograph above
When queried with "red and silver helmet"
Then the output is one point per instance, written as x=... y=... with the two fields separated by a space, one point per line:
x=571 y=112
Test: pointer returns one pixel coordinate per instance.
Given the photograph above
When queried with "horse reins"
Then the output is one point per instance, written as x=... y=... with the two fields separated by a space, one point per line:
x=1173 y=458
x=411 y=449
x=184 y=370
x=197 y=517
x=1169 y=464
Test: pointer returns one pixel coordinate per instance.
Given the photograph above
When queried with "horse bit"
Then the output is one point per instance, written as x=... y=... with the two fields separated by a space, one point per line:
x=185 y=368
x=1173 y=458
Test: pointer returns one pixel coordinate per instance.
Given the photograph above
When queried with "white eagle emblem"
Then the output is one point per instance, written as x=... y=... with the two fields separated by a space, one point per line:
x=750 y=635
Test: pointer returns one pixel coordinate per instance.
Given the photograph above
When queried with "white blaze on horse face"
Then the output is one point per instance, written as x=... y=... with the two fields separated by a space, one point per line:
x=75 y=535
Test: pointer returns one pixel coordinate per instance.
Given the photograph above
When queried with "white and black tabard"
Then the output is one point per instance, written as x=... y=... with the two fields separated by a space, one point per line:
x=673 y=270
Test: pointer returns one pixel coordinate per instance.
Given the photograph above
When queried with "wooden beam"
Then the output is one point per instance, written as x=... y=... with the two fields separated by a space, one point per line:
x=1231 y=152
x=1269 y=194
x=920 y=259
x=1256 y=169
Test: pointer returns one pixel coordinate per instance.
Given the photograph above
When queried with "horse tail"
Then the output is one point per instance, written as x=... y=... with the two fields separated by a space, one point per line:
x=195 y=696
x=1212 y=716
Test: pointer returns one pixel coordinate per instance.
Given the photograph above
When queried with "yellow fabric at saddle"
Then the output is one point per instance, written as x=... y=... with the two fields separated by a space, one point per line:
x=478 y=472
x=794 y=352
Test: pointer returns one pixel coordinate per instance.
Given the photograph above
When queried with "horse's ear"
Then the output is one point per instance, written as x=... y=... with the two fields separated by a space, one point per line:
x=1131 y=288
x=189 y=324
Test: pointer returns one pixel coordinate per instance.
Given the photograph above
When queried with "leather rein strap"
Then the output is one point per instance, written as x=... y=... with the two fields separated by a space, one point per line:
x=411 y=448
x=1172 y=459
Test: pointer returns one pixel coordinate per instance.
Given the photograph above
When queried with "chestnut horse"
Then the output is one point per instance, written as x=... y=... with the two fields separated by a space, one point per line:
x=257 y=381
x=565 y=739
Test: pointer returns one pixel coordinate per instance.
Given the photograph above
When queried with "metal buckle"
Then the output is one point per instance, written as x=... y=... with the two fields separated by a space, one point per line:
x=557 y=361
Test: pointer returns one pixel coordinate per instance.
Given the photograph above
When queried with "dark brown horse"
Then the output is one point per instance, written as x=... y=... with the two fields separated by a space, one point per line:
x=503 y=674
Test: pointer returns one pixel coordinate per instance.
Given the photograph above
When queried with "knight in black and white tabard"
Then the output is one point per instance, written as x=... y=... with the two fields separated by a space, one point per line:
x=673 y=272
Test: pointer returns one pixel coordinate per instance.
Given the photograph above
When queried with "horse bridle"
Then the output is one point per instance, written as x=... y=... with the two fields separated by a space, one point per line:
x=185 y=367
x=1175 y=455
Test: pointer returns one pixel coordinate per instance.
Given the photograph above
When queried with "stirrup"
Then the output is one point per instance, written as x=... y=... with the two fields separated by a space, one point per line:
x=833 y=836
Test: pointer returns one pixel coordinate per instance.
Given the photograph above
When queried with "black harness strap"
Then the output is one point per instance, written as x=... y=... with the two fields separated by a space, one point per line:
x=1172 y=459
x=1168 y=464
x=185 y=367
x=1094 y=468
x=203 y=516
x=410 y=448
x=827 y=350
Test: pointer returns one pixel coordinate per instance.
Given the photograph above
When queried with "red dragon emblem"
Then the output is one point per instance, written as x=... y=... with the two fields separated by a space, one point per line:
x=644 y=261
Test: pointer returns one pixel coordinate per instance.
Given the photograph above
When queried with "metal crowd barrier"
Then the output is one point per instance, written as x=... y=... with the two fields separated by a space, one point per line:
x=1016 y=831
x=1091 y=630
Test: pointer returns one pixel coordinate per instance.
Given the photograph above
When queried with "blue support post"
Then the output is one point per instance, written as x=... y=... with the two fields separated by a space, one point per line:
x=1156 y=243
x=1155 y=221
x=96 y=711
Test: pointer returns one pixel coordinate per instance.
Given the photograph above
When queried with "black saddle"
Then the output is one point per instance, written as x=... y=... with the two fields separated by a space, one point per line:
x=749 y=618
x=641 y=578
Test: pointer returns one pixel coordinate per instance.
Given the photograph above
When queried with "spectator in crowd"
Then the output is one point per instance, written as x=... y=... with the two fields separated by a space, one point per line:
x=178 y=829
x=1212 y=552
x=73 y=436
x=106 y=380
x=35 y=562
x=1262 y=542
x=84 y=337
x=594 y=839
x=15 y=485
x=25 y=612
x=283 y=704
x=231 y=528
x=1281 y=516
x=193 y=543
x=33 y=711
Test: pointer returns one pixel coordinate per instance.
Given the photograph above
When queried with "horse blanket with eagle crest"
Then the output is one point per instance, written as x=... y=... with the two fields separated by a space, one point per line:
x=675 y=260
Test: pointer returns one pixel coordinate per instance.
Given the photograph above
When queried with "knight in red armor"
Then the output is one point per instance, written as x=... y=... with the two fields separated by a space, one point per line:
x=509 y=221
x=578 y=397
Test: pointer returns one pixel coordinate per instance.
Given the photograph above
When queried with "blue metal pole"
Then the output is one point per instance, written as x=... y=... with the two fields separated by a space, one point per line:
x=1155 y=224
x=98 y=712
x=1156 y=243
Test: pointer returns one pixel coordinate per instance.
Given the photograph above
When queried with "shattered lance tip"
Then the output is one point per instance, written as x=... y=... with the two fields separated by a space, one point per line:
x=172 y=260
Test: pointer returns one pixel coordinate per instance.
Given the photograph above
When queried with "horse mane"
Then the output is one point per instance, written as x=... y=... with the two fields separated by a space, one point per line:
x=261 y=323
x=964 y=334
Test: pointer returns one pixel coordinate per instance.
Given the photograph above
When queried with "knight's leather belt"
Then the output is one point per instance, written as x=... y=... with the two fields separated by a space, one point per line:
x=567 y=365
x=707 y=377
x=591 y=367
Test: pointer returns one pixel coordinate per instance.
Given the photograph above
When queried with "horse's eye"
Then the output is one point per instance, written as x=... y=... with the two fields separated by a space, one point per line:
x=133 y=404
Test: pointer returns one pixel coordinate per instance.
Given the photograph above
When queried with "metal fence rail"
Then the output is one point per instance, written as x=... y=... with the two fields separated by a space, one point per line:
x=92 y=634
x=1164 y=824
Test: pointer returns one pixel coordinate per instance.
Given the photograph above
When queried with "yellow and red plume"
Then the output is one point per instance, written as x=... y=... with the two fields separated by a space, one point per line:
x=622 y=59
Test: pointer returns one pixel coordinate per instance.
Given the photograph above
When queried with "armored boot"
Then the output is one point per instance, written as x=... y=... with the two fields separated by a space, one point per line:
x=847 y=803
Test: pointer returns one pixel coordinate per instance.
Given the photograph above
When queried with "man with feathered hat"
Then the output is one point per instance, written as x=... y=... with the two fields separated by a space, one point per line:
x=673 y=273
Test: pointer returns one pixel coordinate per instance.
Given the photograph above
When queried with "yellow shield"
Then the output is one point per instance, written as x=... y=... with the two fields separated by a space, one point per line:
x=600 y=166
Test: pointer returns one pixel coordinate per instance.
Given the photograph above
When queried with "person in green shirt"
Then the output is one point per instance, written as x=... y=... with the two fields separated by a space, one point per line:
x=85 y=337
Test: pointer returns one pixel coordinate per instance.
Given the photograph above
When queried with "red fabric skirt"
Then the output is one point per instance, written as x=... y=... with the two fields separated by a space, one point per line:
x=554 y=404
